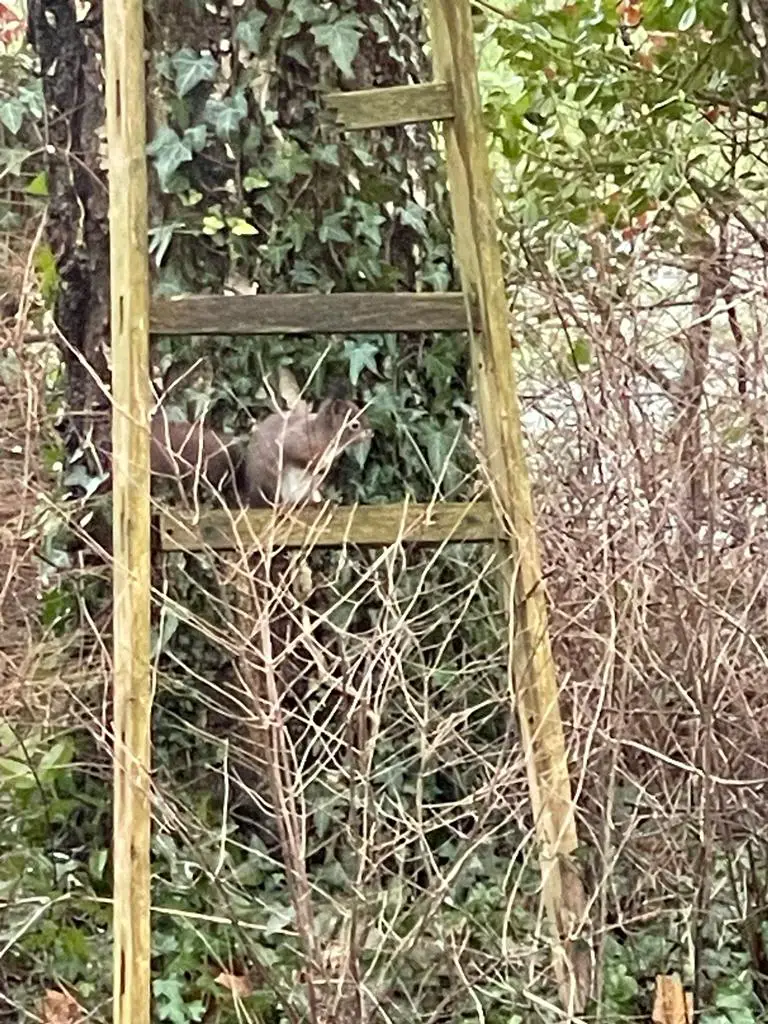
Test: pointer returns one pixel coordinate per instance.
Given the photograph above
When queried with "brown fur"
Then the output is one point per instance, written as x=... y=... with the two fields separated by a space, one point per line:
x=289 y=454
x=185 y=451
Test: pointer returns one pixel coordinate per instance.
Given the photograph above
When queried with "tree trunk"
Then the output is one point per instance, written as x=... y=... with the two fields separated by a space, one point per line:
x=70 y=54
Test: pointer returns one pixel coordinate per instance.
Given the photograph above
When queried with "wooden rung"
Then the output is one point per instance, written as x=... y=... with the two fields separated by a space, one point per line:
x=384 y=108
x=334 y=313
x=329 y=526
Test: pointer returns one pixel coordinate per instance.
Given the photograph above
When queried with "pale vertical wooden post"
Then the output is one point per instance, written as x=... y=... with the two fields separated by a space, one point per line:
x=534 y=679
x=129 y=269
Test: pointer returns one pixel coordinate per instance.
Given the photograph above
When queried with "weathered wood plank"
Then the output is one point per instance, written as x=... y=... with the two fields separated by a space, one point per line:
x=385 y=108
x=330 y=526
x=335 y=313
x=533 y=672
x=129 y=274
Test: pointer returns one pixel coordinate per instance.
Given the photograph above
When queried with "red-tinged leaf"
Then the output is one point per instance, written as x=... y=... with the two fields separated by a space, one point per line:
x=238 y=984
x=60 y=1008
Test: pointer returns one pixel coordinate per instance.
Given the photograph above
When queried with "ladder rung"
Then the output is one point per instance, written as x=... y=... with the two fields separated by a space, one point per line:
x=336 y=312
x=400 y=104
x=330 y=526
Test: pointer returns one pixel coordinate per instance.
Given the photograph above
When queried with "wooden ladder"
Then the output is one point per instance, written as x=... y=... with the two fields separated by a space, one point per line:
x=480 y=310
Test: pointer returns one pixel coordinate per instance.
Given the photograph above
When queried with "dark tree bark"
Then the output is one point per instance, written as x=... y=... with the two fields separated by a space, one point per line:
x=70 y=55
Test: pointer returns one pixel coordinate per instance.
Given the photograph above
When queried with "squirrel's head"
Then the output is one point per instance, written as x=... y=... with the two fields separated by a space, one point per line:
x=344 y=423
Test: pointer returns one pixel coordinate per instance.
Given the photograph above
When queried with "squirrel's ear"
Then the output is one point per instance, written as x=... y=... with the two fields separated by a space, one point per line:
x=332 y=408
x=325 y=409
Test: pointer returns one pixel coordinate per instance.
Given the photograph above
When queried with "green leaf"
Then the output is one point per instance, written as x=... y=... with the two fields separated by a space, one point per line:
x=253 y=180
x=39 y=185
x=341 y=39
x=581 y=352
x=171 y=1004
x=160 y=238
x=12 y=114
x=361 y=356
x=304 y=10
x=413 y=216
x=333 y=230
x=32 y=98
x=327 y=154
x=238 y=226
x=248 y=32
x=48 y=273
x=280 y=917
x=57 y=755
x=12 y=160
x=370 y=223
x=226 y=115
x=196 y=138
x=191 y=68
x=169 y=152
x=97 y=861
x=17 y=773
x=688 y=18
x=212 y=224
x=439 y=447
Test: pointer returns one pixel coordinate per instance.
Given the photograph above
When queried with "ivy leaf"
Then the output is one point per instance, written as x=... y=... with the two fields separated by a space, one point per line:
x=439 y=445
x=366 y=158
x=439 y=369
x=413 y=216
x=196 y=138
x=238 y=226
x=327 y=154
x=248 y=32
x=254 y=180
x=38 y=186
x=304 y=10
x=12 y=114
x=212 y=224
x=305 y=273
x=160 y=238
x=332 y=229
x=12 y=160
x=170 y=152
x=370 y=222
x=32 y=98
x=295 y=51
x=341 y=39
x=192 y=68
x=225 y=115
x=361 y=356
x=171 y=1004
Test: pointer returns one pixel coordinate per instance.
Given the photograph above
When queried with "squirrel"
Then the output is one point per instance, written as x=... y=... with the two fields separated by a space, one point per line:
x=185 y=451
x=290 y=453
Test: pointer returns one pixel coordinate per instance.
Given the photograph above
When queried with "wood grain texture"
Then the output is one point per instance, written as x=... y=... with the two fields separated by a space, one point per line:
x=129 y=271
x=330 y=526
x=533 y=670
x=400 y=104
x=335 y=313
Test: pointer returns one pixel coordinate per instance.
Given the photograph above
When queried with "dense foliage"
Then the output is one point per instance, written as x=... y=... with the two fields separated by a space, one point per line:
x=615 y=130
